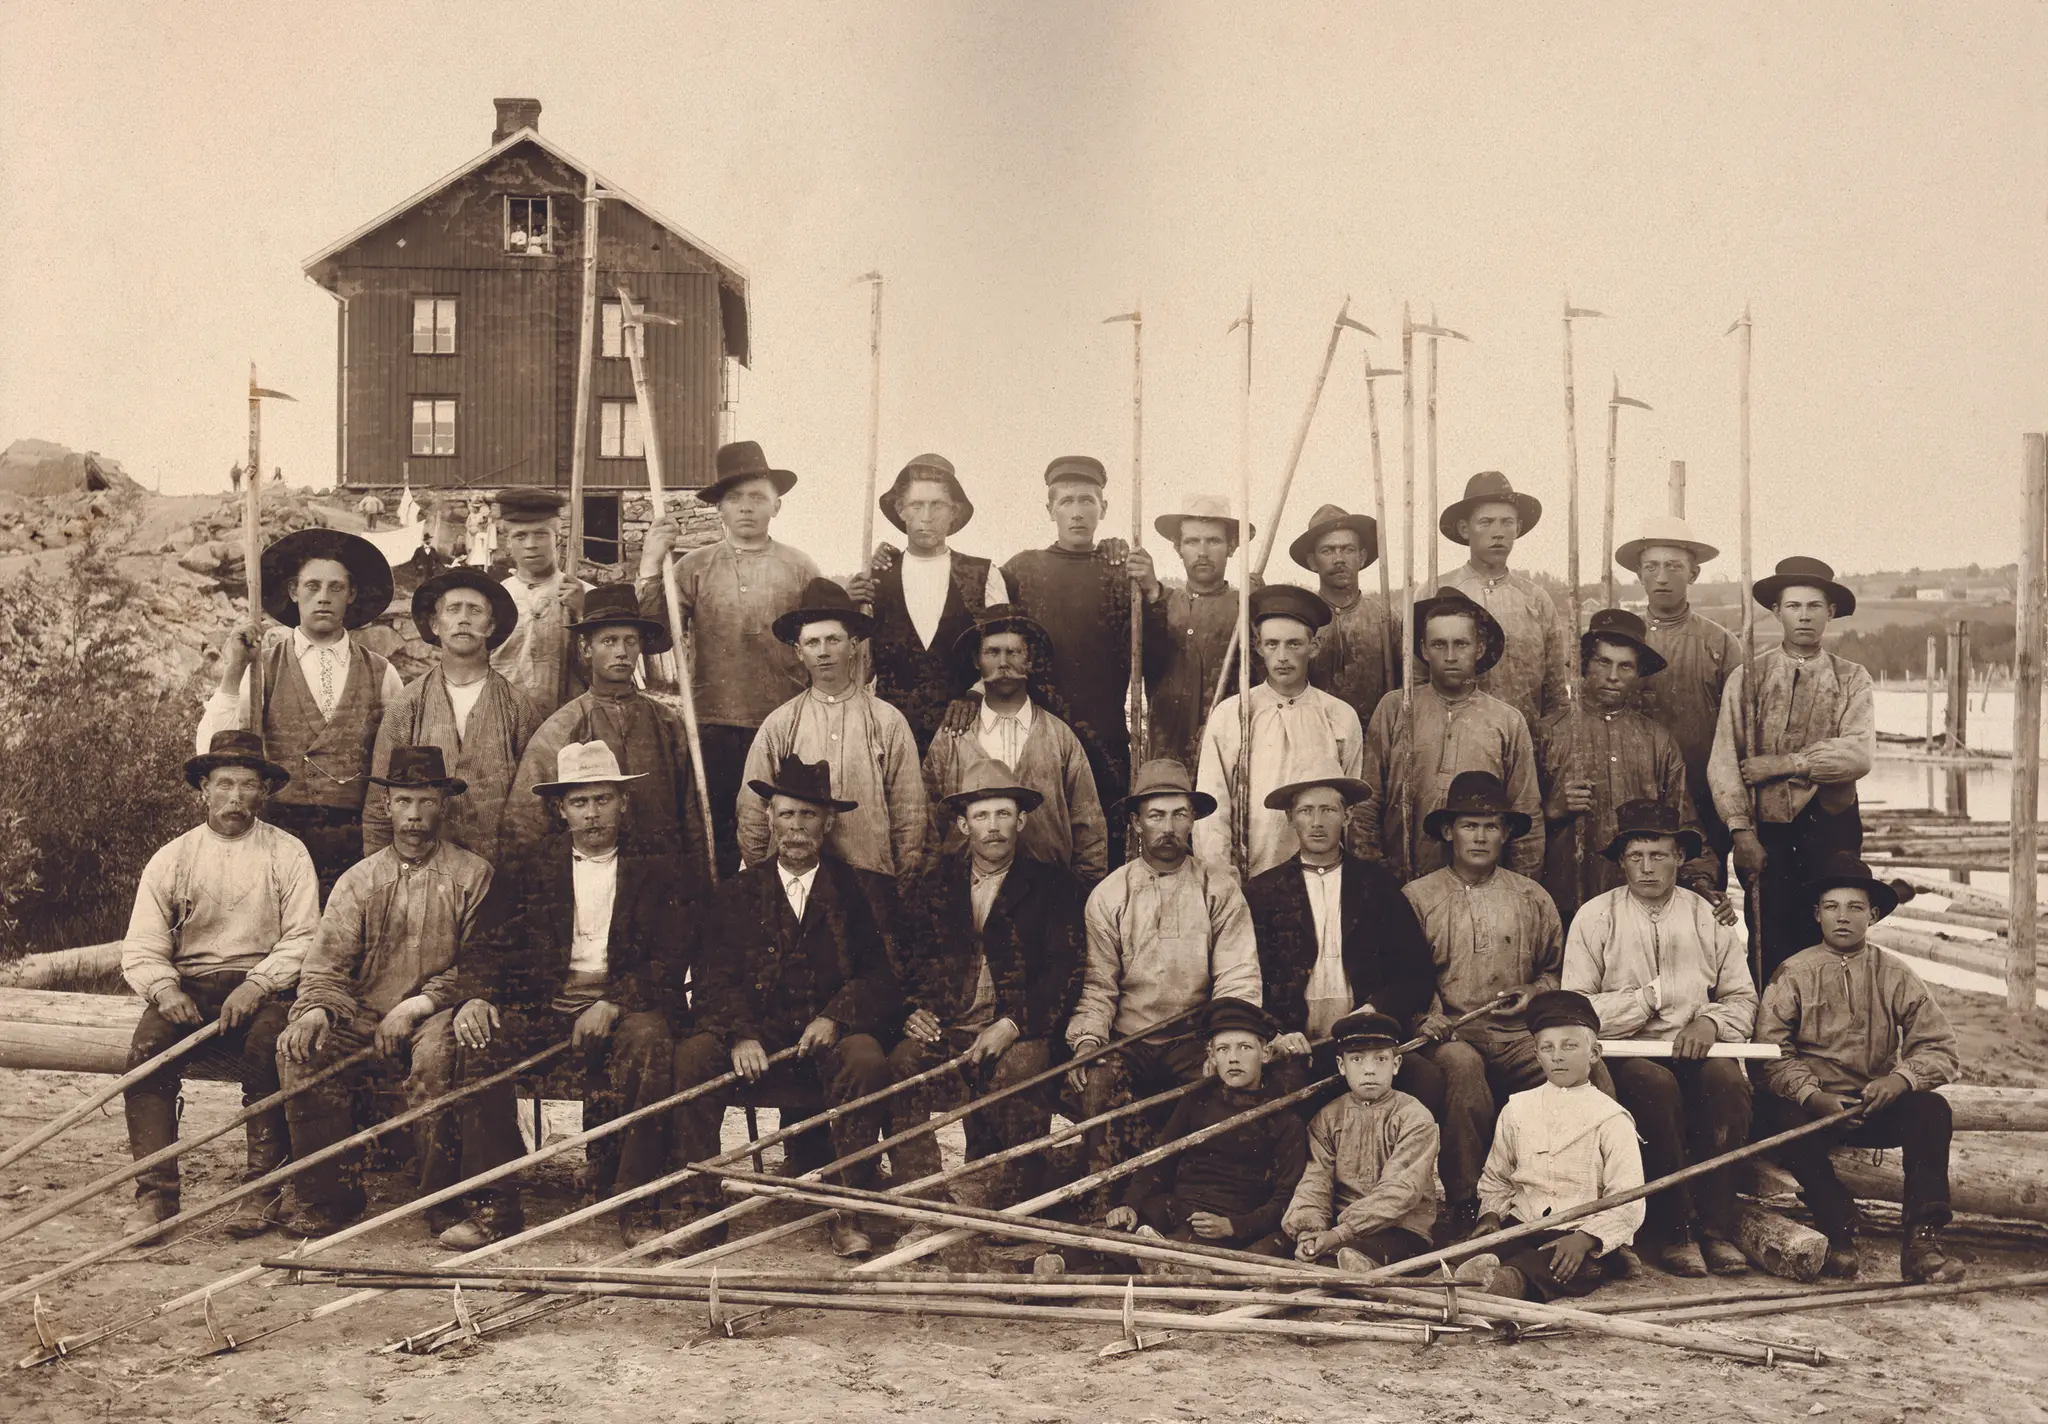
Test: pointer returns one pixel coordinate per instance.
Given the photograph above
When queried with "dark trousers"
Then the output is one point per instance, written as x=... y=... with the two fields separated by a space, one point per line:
x=628 y=1070
x=725 y=761
x=1016 y=1119
x=1794 y=852
x=1686 y=1111
x=1531 y=1256
x=322 y=1116
x=1385 y=1246
x=1138 y=1071
x=1169 y=1217
x=799 y=1087
x=1919 y=1122
x=332 y=836
x=152 y=1104
x=1479 y=1074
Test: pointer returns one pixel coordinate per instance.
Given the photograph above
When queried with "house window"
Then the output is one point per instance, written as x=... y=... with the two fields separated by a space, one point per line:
x=528 y=228
x=618 y=431
x=601 y=529
x=433 y=425
x=433 y=326
x=612 y=342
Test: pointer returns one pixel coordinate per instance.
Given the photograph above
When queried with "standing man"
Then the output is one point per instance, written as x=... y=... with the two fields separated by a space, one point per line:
x=730 y=593
x=645 y=735
x=1420 y=742
x=235 y=477
x=1685 y=699
x=1298 y=732
x=324 y=693
x=991 y=952
x=1358 y=655
x=223 y=917
x=1534 y=664
x=1816 y=740
x=371 y=508
x=1189 y=630
x=863 y=742
x=536 y=655
x=1594 y=754
x=1014 y=727
x=1658 y=964
x=479 y=720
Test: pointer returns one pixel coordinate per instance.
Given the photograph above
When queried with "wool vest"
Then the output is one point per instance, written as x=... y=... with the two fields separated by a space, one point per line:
x=918 y=681
x=328 y=757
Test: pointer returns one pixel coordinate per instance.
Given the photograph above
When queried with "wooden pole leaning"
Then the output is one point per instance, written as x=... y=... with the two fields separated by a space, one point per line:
x=586 y=353
x=1315 y=395
x=1571 y=459
x=1134 y=695
x=1379 y=514
x=867 y=505
x=73 y=1116
x=1753 y=738
x=252 y=547
x=1407 y=621
x=1614 y=405
x=2022 y=931
x=1434 y=333
x=1241 y=775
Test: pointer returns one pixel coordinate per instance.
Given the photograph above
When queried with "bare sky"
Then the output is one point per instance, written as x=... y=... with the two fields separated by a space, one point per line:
x=1872 y=179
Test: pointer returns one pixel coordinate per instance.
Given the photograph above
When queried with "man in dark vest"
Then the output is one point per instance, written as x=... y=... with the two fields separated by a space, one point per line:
x=324 y=693
x=924 y=600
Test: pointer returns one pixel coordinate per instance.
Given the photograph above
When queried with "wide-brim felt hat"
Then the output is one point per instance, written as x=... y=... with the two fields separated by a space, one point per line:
x=1365 y=1028
x=1489 y=487
x=417 y=767
x=591 y=763
x=823 y=602
x=1241 y=1015
x=1492 y=636
x=1618 y=625
x=1663 y=531
x=619 y=603
x=1645 y=818
x=1163 y=776
x=987 y=781
x=1287 y=600
x=1801 y=572
x=1281 y=798
x=504 y=612
x=235 y=748
x=1003 y=618
x=1328 y=520
x=1476 y=793
x=369 y=574
x=1842 y=869
x=927 y=467
x=739 y=462
x=802 y=781
x=1213 y=508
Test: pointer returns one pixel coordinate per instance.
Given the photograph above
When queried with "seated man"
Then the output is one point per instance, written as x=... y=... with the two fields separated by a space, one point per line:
x=1231 y=1189
x=1657 y=963
x=1166 y=934
x=1857 y=1025
x=799 y=962
x=596 y=952
x=382 y=971
x=1529 y=1175
x=223 y=916
x=1368 y=1197
x=991 y=955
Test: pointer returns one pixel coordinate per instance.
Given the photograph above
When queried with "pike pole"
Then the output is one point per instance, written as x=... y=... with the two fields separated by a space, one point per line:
x=1571 y=459
x=1407 y=498
x=864 y=652
x=1134 y=699
x=252 y=548
x=1379 y=513
x=1614 y=405
x=1240 y=800
x=1753 y=892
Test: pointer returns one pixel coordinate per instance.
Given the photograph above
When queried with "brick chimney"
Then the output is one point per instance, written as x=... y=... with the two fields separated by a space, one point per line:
x=514 y=115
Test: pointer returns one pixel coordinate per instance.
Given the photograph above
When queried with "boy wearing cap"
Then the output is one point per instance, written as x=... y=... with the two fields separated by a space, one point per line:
x=1189 y=630
x=1857 y=1026
x=479 y=719
x=534 y=651
x=1532 y=671
x=1297 y=732
x=1230 y=1190
x=1558 y=1146
x=729 y=594
x=1369 y=1195
x=1358 y=654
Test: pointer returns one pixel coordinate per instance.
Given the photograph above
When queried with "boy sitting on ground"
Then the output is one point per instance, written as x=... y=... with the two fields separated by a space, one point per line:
x=1230 y=1190
x=1559 y=1145
x=1369 y=1194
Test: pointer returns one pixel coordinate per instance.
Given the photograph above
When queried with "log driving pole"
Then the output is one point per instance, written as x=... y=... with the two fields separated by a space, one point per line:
x=2026 y=731
x=1407 y=496
x=1752 y=685
x=107 y=1094
x=867 y=505
x=586 y=354
x=1429 y=447
x=1675 y=490
x=252 y=549
x=1240 y=796
x=1614 y=405
x=1301 y=430
x=1933 y=665
x=1571 y=459
x=1379 y=514
x=1134 y=697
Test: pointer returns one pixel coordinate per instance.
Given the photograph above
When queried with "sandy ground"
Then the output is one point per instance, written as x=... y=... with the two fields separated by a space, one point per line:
x=1975 y=1358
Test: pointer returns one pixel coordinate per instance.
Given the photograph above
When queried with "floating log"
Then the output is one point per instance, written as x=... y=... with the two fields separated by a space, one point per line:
x=1778 y=1244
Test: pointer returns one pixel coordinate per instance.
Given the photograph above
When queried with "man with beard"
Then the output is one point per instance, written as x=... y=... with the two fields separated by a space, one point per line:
x=533 y=650
x=1358 y=654
x=1189 y=630
x=1531 y=675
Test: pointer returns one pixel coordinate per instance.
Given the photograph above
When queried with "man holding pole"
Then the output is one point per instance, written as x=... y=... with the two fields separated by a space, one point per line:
x=1532 y=673
x=534 y=652
x=1189 y=630
x=1357 y=654
x=729 y=595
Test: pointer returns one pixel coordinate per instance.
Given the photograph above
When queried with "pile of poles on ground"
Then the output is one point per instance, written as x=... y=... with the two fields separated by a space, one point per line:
x=1411 y=1302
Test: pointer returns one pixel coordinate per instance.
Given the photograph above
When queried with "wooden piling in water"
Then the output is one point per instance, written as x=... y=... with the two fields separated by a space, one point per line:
x=2021 y=930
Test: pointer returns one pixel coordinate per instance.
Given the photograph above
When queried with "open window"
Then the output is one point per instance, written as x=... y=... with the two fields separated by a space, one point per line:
x=433 y=326
x=618 y=431
x=529 y=226
x=601 y=529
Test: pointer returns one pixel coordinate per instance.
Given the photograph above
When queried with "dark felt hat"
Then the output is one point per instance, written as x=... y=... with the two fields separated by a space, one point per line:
x=739 y=462
x=1227 y=1014
x=369 y=574
x=1076 y=467
x=618 y=603
x=1618 y=625
x=1489 y=487
x=1163 y=776
x=425 y=598
x=1368 y=1028
x=1493 y=639
x=985 y=781
x=1475 y=793
x=823 y=601
x=1843 y=869
x=1281 y=798
x=1328 y=520
x=927 y=467
x=1004 y=618
x=1801 y=572
x=421 y=766
x=526 y=505
x=235 y=748
x=1560 y=1008
x=1286 y=600
x=803 y=781
x=1645 y=818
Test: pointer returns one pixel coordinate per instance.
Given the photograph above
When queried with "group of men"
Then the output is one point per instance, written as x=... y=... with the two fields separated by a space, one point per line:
x=931 y=844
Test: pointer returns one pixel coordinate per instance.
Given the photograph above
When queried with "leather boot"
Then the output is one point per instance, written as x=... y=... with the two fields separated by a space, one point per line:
x=1922 y=1259
x=267 y=1145
x=150 y=1209
x=1842 y=1263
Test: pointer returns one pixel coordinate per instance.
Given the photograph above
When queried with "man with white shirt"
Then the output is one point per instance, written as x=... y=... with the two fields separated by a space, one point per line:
x=596 y=952
x=1015 y=725
x=478 y=718
x=926 y=598
x=535 y=653
x=324 y=693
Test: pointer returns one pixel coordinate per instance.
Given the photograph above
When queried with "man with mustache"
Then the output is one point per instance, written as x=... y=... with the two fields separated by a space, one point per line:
x=1188 y=630
x=1532 y=673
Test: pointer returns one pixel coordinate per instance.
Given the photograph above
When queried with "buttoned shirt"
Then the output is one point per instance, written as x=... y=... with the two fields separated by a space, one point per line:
x=1159 y=944
x=926 y=579
x=731 y=597
x=1845 y=1018
x=207 y=903
x=1627 y=757
x=1415 y=747
x=535 y=655
x=1357 y=654
x=1651 y=971
x=797 y=888
x=1818 y=710
x=1183 y=664
x=1558 y=1148
x=595 y=881
x=1536 y=662
x=1488 y=938
x=1296 y=738
x=1329 y=992
x=982 y=889
x=874 y=762
x=325 y=667
x=1685 y=698
x=462 y=697
x=1002 y=733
